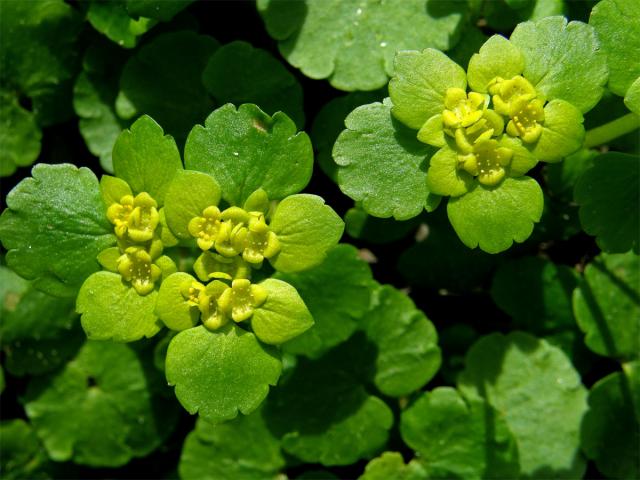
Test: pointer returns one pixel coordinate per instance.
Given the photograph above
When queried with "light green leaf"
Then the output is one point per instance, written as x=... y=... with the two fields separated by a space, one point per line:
x=607 y=194
x=160 y=80
x=562 y=132
x=55 y=226
x=459 y=438
x=246 y=149
x=609 y=429
x=22 y=455
x=607 y=305
x=19 y=135
x=171 y=307
x=563 y=60
x=632 y=97
x=113 y=189
x=238 y=73
x=163 y=10
x=444 y=177
x=112 y=20
x=100 y=410
x=382 y=165
x=407 y=352
x=306 y=229
x=337 y=424
x=419 y=84
x=113 y=310
x=283 y=316
x=330 y=122
x=536 y=293
x=146 y=158
x=617 y=23
x=220 y=373
x=221 y=451
x=188 y=195
x=352 y=43
x=337 y=293
x=525 y=379
x=498 y=57
x=492 y=218
x=391 y=465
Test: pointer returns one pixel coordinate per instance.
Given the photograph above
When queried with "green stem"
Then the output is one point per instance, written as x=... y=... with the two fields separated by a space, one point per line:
x=609 y=131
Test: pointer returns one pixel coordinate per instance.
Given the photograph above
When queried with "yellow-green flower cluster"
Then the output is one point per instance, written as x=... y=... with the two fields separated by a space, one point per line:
x=475 y=123
x=135 y=221
x=235 y=232
x=219 y=302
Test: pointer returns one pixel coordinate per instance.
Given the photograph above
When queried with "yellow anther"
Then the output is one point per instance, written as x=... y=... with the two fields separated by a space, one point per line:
x=136 y=266
x=487 y=162
x=212 y=314
x=490 y=125
x=527 y=120
x=462 y=109
x=134 y=218
x=191 y=292
x=205 y=229
x=242 y=299
x=507 y=93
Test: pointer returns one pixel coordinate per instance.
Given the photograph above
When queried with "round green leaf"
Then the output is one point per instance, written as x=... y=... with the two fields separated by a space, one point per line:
x=146 y=158
x=607 y=194
x=610 y=427
x=617 y=23
x=391 y=465
x=535 y=389
x=330 y=122
x=536 y=293
x=163 y=10
x=282 y=316
x=221 y=451
x=382 y=165
x=352 y=43
x=444 y=177
x=113 y=310
x=458 y=438
x=306 y=229
x=55 y=227
x=94 y=97
x=607 y=305
x=162 y=81
x=563 y=60
x=498 y=57
x=407 y=352
x=562 y=132
x=337 y=293
x=39 y=48
x=492 y=218
x=19 y=135
x=246 y=149
x=188 y=195
x=100 y=409
x=220 y=373
x=337 y=424
x=238 y=73
x=419 y=84
x=22 y=455
x=112 y=20
x=171 y=307
x=632 y=97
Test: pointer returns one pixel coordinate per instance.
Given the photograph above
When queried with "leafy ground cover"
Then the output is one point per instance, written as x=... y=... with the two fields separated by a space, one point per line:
x=320 y=239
